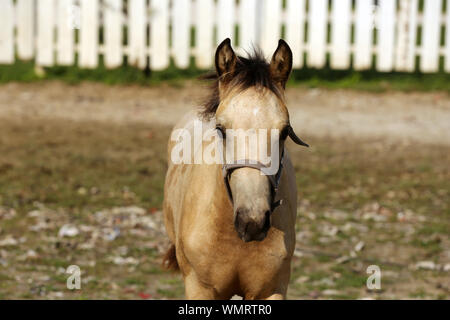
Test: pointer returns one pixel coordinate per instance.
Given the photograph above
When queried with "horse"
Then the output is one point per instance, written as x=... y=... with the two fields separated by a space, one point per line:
x=231 y=227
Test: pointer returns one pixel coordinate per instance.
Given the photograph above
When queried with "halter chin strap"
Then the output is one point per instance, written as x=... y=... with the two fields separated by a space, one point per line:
x=274 y=179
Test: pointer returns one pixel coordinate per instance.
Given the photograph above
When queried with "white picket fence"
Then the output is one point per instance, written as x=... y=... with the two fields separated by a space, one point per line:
x=151 y=32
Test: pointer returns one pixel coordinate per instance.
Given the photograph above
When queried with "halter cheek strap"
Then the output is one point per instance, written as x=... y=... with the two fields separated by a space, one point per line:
x=274 y=180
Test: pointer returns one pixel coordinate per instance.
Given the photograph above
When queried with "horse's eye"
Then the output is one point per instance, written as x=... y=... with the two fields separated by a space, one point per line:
x=284 y=133
x=221 y=131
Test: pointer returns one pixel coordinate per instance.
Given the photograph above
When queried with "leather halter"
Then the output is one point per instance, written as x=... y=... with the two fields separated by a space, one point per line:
x=274 y=179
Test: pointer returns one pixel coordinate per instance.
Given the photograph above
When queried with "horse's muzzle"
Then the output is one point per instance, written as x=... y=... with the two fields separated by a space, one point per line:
x=252 y=226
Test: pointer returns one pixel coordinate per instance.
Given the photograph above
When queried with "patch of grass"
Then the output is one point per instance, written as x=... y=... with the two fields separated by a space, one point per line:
x=171 y=281
x=345 y=296
x=432 y=228
x=135 y=281
x=60 y=278
x=24 y=71
x=4 y=277
x=370 y=80
x=418 y=294
x=167 y=293
x=349 y=278
x=53 y=262
x=433 y=246
x=153 y=270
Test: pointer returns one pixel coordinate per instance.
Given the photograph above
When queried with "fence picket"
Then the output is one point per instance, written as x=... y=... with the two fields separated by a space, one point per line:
x=6 y=32
x=247 y=24
x=363 y=35
x=386 y=32
x=429 y=60
x=204 y=33
x=181 y=32
x=65 y=33
x=112 y=31
x=225 y=20
x=159 y=34
x=89 y=34
x=317 y=33
x=340 y=34
x=406 y=35
x=137 y=33
x=45 y=33
x=270 y=26
x=295 y=29
x=158 y=30
x=25 y=29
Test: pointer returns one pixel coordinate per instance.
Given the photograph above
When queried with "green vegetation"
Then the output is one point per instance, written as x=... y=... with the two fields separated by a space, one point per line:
x=22 y=71
x=370 y=80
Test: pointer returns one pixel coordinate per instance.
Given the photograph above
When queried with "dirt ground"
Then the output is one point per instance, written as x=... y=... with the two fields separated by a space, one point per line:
x=81 y=180
x=397 y=116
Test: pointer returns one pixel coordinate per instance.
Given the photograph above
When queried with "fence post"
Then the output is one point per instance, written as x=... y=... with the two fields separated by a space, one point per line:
x=317 y=33
x=271 y=26
x=181 y=32
x=364 y=25
x=225 y=20
x=248 y=20
x=65 y=32
x=112 y=33
x=6 y=32
x=340 y=34
x=429 y=61
x=295 y=30
x=159 y=34
x=89 y=34
x=386 y=35
x=45 y=32
x=137 y=17
x=406 y=36
x=25 y=29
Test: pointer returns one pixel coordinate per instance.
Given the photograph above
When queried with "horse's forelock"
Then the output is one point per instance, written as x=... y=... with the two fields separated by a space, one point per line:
x=252 y=71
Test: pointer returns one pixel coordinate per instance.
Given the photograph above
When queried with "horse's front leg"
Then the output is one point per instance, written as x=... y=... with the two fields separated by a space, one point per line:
x=273 y=296
x=276 y=296
x=195 y=290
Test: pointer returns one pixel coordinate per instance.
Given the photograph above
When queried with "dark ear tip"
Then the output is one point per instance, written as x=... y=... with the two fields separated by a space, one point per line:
x=281 y=42
x=226 y=41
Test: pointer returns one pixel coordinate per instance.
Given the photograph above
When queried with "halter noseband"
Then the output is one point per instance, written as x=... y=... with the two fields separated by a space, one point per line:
x=274 y=179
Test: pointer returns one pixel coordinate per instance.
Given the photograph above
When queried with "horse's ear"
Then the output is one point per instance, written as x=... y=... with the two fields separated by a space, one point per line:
x=225 y=59
x=281 y=63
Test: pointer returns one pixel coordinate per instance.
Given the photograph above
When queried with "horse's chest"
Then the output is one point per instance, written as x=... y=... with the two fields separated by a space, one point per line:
x=228 y=261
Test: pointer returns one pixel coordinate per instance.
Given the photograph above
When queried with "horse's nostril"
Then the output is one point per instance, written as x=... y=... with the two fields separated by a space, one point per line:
x=241 y=211
x=250 y=226
x=239 y=224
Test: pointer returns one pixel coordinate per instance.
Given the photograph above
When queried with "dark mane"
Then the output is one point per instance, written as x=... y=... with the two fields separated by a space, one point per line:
x=250 y=71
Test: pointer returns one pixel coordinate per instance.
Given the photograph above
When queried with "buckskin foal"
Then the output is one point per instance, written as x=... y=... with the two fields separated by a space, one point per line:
x=232 y=225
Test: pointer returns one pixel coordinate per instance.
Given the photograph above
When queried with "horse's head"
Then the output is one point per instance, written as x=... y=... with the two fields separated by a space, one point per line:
x=250 y=100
